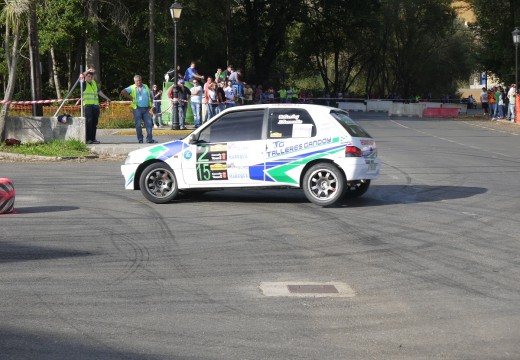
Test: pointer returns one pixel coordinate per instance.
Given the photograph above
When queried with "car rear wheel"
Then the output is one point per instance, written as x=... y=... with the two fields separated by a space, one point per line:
x=158 y=183
x=324 y=184
x=355 y=189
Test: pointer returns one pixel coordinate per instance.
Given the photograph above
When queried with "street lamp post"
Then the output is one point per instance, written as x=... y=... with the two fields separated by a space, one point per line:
x=516 y=41
x=175 y=11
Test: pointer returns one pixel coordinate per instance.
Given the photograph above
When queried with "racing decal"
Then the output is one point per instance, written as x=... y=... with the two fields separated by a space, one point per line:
x=279 y=148
x=281 y=172
x=130 y=179
x=167 y=150
x=211 y=162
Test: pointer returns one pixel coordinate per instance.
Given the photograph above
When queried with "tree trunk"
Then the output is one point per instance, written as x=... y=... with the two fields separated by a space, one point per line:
x=91 y=44
x=34 y=54
x=57 y=85
x=151 y=32
x=12 y=61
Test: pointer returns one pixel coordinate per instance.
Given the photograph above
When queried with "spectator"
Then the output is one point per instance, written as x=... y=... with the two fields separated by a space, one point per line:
x=182 y=98
x=157 y=114
x=196 y=102
x=221 y=97
x=220 y=75
x=141 y=97
x=227 y=72
x=471 y=102
x=484 y=100
x=501 y=102
x=230 y=94
x=192 y=73
x=208 y=114
x=248 y=94
x=258 y=94
x=212 y=100
x=91 y=94
x=511 y=95
x=492 y=103
x=236 y=78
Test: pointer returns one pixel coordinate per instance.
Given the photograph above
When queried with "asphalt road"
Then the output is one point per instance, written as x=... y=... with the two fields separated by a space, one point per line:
x=89 y=270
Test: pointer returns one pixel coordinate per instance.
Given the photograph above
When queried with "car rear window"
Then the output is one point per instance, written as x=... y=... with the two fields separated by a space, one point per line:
x=352 y=128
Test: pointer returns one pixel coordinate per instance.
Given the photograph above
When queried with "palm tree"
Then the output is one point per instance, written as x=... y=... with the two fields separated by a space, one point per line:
x=13 y=13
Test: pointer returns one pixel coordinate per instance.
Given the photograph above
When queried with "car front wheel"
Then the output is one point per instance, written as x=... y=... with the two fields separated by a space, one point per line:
x=158 y=183
x=324 y=184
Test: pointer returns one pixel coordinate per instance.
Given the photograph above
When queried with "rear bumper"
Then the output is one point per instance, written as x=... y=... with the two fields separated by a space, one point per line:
x=359 y=168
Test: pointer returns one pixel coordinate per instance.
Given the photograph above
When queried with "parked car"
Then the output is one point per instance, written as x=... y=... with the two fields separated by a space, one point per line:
x=317 y=148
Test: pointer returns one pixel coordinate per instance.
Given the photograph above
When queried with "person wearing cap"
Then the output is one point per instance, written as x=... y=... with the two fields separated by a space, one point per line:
x=91 y=94
x=182 y=98
x=141 y=97
x=196 y=102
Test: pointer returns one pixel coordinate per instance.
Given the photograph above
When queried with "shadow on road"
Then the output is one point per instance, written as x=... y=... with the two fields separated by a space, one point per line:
x=377 y=195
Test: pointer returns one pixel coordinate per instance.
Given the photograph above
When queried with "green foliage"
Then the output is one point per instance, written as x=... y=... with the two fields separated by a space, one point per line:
x=53 y=148
x=495 y=21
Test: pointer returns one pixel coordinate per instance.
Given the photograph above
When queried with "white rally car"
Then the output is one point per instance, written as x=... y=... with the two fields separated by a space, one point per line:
x=317 y=148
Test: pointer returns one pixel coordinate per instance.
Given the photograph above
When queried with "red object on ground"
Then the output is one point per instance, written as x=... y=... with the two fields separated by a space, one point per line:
x=6 y=196
x=441 y=112
x=517 y=108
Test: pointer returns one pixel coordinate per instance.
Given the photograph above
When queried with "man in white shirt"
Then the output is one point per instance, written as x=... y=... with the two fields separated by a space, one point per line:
x=230 y=94
x=484 y=100
x=511 y=95
x=196 y=102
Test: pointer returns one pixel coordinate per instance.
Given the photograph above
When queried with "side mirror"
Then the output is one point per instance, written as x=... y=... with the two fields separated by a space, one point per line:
x=192 y=139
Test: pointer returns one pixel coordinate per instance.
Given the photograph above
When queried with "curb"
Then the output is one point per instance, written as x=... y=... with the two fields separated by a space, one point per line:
x=15 y=156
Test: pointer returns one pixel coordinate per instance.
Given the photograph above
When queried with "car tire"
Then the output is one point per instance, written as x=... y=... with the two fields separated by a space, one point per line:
x=7 y=195
x=355 y=189
x=158 y=183
x=324 y=184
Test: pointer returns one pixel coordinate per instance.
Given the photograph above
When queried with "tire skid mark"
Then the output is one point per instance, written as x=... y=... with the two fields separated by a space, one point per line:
x=167 y=239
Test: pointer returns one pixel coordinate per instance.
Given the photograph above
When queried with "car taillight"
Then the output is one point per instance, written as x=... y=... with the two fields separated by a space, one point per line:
x=353 y=151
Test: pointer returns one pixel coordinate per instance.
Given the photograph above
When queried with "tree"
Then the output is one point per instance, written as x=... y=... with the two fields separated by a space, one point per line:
x=495 y=20
x=335 y=40
x=13 y=13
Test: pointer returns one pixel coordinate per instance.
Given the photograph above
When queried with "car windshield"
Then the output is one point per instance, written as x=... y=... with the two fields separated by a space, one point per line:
x=352 y=128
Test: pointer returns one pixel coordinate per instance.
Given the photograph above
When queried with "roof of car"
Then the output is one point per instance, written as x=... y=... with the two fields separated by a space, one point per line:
x=280 y=105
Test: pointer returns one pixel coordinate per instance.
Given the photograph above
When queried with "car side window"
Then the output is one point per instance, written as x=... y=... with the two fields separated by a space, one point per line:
x=235 y=126
x=290 y=123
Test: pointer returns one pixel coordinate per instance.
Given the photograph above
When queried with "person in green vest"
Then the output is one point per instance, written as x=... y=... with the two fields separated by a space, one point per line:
x=283 y=95
x=295 y=93
x=141 y=97
x=91 y=93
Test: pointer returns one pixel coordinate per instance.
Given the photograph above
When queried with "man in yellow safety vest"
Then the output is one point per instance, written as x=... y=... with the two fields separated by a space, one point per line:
x=91 y=94
x=141 y=97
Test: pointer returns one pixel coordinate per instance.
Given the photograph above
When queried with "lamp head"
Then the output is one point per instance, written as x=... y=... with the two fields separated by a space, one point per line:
x=516 y=36
x=175 y=11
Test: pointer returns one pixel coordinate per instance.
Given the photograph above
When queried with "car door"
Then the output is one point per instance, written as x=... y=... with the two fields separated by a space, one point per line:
x=291 y=143
x=229 y=152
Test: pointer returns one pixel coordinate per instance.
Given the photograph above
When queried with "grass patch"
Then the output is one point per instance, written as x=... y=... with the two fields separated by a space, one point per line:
x=59 y=148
